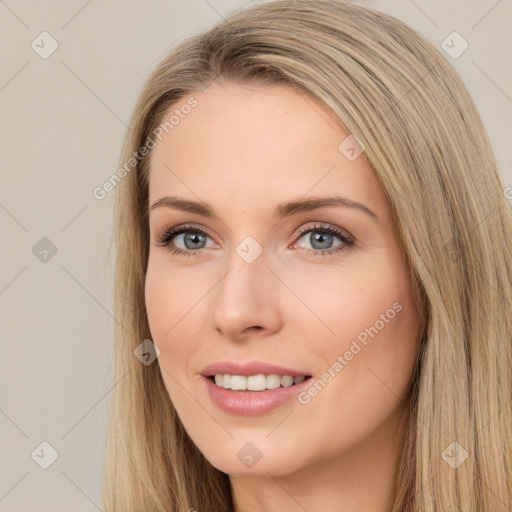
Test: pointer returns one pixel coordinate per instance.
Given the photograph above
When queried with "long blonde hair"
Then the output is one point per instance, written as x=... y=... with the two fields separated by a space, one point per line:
x=428 y=147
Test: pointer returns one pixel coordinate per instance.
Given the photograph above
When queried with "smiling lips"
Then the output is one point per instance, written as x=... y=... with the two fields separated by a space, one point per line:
x=253 y=388
x=250 y=369
x=258 y=382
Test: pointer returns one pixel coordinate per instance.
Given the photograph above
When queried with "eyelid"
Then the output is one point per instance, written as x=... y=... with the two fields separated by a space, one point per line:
x=346 y=239
x=326 y=226
x=173 y=231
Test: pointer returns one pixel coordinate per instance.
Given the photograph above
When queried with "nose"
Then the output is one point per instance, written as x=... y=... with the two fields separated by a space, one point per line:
x=246 y=300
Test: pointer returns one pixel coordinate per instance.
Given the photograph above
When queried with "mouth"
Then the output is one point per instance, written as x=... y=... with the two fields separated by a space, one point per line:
x=258 y=399
x=256 y=383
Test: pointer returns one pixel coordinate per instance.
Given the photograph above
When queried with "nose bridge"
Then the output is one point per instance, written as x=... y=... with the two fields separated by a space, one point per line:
x=245 y=295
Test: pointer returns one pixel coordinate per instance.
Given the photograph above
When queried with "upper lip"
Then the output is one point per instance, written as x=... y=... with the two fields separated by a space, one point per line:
x=250 y=368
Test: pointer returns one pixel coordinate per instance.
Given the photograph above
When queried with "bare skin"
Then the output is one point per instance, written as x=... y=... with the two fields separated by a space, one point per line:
x=244 y=150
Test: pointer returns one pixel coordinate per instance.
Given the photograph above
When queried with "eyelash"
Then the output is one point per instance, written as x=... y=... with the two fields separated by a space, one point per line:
x=347 y=241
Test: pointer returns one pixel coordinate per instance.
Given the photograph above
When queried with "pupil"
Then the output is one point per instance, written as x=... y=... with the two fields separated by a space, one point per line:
x=194 y=238
x=323 y=238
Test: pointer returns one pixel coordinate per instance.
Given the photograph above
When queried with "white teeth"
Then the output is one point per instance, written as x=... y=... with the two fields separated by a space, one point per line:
x=286 y=381
x=273 y=381
x=238 y=382
x=225 y=381
x=258 y=382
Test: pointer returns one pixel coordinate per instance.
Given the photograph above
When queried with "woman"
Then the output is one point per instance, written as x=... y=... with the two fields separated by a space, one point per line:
x=313 y=277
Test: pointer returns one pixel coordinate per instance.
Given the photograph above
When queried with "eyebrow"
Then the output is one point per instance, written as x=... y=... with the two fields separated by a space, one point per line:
x=281 y=211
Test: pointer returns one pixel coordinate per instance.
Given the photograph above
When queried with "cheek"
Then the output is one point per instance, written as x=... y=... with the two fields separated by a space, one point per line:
x=159 y=303
x=369 y=361
x=363 y=301
x=170 y=295
x=375 y=327
x=170 y=312
x=167 y=308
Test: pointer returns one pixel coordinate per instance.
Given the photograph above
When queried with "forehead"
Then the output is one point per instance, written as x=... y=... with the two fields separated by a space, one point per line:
x=255 y=143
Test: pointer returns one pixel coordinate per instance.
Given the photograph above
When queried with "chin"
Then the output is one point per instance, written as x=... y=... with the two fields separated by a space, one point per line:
x=248 y=460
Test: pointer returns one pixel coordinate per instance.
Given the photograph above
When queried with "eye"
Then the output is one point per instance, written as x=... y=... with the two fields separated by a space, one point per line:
x=321 y=239
x=190 y=237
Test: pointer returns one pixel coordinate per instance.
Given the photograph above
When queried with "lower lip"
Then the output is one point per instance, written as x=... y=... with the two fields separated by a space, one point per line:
x=252 y=403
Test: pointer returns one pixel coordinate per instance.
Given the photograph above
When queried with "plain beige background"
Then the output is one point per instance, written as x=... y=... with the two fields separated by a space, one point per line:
x=62 y=123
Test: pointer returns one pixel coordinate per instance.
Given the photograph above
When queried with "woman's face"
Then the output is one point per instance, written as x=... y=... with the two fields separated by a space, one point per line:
x=321 y=291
